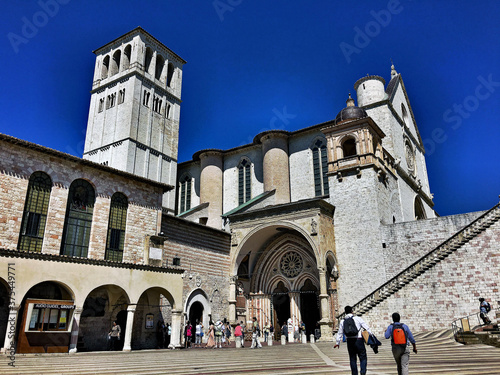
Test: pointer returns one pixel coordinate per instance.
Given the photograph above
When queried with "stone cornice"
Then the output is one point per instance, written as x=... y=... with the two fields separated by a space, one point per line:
x=87 y=261
x=139 y=144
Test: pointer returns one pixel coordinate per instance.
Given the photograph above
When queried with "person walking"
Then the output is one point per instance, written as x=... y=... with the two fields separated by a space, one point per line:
x=484 y=308
x=218 y=334
x=199 y=334
x=243 y=330
x=352 y=326
x=255 y=334
x=266 y=331
x=227 y=332
x=188 y=333
x=168 y=332
x=238 y=334
x=401 y=337
x=284 y=331
x=211 y=336
x=114 y=336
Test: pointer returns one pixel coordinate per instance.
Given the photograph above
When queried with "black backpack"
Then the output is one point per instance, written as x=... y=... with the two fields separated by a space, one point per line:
x=350 y=329
x=487 y=307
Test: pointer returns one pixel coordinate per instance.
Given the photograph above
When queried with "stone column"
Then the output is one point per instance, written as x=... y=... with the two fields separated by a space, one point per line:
x=10 y=332
x=295 y=307
x=175 y=339
x=276 y=168
x=232 y=299
x=128 y=331
x=211 y=185
x=75 y=329
x=323 y=297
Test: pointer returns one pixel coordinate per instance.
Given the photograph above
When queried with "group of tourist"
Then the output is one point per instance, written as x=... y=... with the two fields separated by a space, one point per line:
x=356 y=332
x=218 y=334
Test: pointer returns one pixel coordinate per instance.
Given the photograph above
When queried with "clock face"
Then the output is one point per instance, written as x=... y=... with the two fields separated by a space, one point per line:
x=410 y=159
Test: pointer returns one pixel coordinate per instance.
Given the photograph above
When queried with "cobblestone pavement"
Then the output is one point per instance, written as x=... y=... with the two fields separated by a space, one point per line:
x=437 y=354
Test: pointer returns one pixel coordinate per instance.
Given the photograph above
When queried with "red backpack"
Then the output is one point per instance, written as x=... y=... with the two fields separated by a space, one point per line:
x=398 y=334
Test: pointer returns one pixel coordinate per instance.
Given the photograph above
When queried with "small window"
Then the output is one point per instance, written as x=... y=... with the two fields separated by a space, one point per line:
x=121 y=96
x=145 y=99
x=349 y=147
x=101 y=104
x=404 y=114
x=168 y=111
x=320 y=168
x=185 y=194
x=244 y=182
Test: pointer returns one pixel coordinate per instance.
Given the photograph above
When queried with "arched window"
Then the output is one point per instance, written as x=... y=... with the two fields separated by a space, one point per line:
x=349 y=147
x=419 y=209
x=115 y=63
x=148 y=60
x=78 y=220
x=126 y=57
x=116 y=227
x=320 y=168
x=185 y=194
x=105 y=68
x=244 y=182
x=170 y=74
x=404 y=114
x=35 y=212
x=160 y=63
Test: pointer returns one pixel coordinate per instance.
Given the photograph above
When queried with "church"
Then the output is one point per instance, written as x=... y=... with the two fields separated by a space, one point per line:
x=291 y=227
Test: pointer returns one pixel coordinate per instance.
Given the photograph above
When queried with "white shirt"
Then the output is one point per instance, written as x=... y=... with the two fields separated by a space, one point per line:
x=360 y=323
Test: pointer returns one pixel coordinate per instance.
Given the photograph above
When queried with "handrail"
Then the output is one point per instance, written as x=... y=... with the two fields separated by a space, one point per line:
x=423 y=258
x=455 y=325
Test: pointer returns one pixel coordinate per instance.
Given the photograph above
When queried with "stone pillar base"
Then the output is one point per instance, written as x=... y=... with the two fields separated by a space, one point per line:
x=304 y=338
x=270 y=340
x=311 y=338
x=238 y=342
x=283 y=340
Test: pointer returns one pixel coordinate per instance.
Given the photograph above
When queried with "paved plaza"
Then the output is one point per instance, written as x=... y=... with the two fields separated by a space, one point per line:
x=437 y=354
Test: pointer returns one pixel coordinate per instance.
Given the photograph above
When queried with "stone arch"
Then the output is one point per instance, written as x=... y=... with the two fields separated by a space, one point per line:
x=199 y=296
x=264 y=232
x=160 y=64
x=115 y=62
x=102 y=305
x=419 y=209
x=105 y=67
x=148 y=61
x=349 y=146
x=127 y=51
x=269 y=263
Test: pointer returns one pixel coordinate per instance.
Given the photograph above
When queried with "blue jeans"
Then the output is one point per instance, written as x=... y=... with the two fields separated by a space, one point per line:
x=356 y=347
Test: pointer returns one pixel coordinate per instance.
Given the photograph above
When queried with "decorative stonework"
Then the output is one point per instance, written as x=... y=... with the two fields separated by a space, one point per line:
x=291 y=264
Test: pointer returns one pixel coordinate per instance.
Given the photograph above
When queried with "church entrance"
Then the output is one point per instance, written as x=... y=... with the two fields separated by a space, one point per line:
x=196 y=313
x=281 y=283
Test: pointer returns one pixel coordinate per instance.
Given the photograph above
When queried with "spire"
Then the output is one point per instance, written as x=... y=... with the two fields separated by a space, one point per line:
x=350 y=101
x=393 y=70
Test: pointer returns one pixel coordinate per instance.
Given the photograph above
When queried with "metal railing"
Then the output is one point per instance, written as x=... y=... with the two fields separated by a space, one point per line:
x=464 y=324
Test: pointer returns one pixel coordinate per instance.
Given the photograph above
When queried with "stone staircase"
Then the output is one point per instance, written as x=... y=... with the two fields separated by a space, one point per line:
x=427 y=261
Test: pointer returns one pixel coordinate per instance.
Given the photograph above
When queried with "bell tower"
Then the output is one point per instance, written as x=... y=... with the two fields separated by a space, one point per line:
x=133 y=122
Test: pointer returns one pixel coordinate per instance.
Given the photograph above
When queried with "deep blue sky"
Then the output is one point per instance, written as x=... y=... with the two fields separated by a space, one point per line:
x=248 y=60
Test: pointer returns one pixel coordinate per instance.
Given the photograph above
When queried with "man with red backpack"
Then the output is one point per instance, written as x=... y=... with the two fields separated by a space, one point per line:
x=401 y=337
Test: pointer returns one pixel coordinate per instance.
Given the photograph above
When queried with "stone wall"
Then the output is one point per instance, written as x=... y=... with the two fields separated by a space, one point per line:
x=406 y=242
x=447 y=291
x=204 y=254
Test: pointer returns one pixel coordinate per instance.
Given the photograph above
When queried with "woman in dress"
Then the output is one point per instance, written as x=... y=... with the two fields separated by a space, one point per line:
x=211 y=336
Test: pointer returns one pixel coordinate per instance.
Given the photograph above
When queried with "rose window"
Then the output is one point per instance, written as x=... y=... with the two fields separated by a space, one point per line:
x=291 y=264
